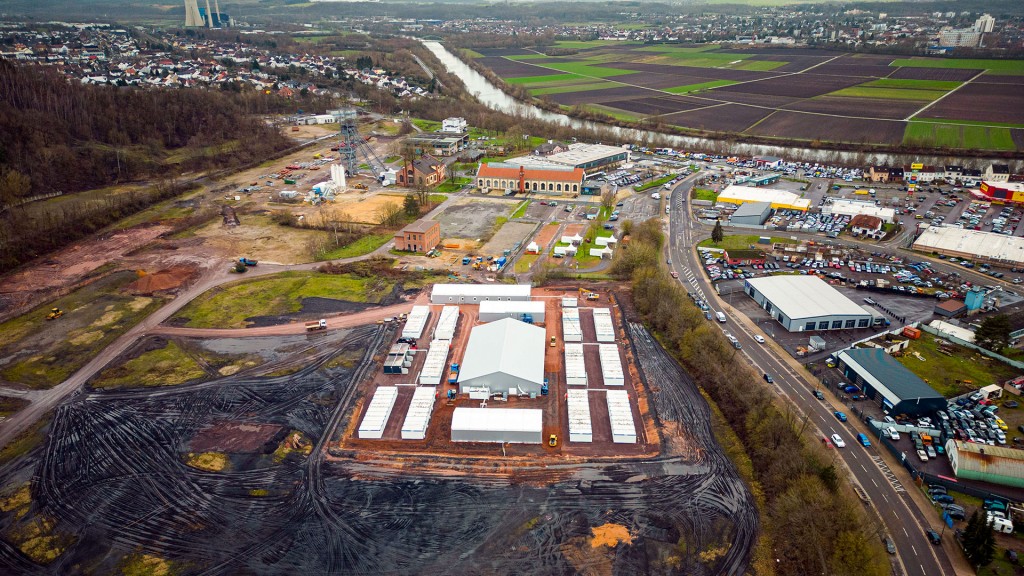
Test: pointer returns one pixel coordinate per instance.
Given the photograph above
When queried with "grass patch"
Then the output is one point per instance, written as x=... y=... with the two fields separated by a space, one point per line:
x=543 y=78
x=426 y=125
x=438 y=198
x=698 y=87
x=654 y=183
x=166 y=366
x=518 y=57
x=1000 y=66
x=525 y=262
x=521 y=210
x=739 y=242
x=942 y=371
x=296 y=442
x=584 y=44
x=147 y=565
x=362 y=246
x=613 y=112
x=472 y=53
x=9 y=405
x=573 y=88
x=28 y=439
x=947 y=135
x=863 y=91
x=41 y=353
x=913 y=84
x=449 y=187
x=586 y=69
x=208 y=461
x=228 y=306
x=39 y=539
x=704 y=194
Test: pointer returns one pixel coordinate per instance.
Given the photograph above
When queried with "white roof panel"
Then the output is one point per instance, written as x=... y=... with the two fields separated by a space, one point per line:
x=805 y=297
x=974 y=242
x=507 y=346
x=512 y=306
x=497 y=419
x=777 y=198
x=482 y=290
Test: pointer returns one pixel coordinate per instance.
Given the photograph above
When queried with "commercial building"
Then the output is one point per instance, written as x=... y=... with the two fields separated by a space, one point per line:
x=446 y=323
x=476 y=293
x=950 y=308
x=865 y=225
x=454 y=126
x=843 y=207
x=423 y=171
x=995 y=464
x=897 y=389
x=420 y=236
x=1002 y=191
x=620 y=415
x=514 y=426
x=578 y=407
x=778 y=199
x=986 y=23
x=997 y=173
x=806 y=303
x=611 y=365
x=440 y=143
x=505 y=176
x=751 y=214
x=604 y=328
x=743 y=257
x=590 y=156
x=963 y=38
x=531 y=312
x=504 y=356
x=972 y=244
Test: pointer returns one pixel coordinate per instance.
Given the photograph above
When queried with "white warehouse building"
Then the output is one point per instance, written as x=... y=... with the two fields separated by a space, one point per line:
x=531 y=311
x=504 y=356
x=515 y=426
x=806 y=303
x=476 y=293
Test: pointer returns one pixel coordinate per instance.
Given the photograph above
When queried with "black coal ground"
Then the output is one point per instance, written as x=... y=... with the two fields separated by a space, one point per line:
x=112 y=473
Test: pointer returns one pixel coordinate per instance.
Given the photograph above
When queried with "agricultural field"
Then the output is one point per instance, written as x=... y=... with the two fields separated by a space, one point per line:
x=787 y=94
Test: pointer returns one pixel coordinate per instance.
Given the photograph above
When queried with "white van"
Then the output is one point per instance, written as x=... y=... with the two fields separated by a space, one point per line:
x=720 y=316
x=1001 y=525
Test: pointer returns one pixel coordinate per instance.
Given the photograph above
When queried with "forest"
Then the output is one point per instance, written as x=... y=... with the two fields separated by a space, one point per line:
x=58 y=135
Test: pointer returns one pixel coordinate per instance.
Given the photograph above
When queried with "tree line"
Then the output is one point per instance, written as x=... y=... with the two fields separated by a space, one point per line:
x=812 y=519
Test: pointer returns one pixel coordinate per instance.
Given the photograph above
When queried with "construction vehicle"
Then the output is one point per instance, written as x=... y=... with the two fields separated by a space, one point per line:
x=466 y=260
x=54 y=314
x=553 y=440
x=553 y=342
x=451 y=395
x=589 y=295
x=360 y=186
x=544 y=388
x=320 y=324
x=248 y=261
x=453 y=375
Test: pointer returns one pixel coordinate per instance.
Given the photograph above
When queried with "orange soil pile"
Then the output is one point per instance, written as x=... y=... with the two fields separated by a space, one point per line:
x=166 y=279
x=610 y=535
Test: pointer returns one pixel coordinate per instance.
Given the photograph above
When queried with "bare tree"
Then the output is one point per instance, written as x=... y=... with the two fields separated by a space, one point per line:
x=608 y=198
x=390 y=214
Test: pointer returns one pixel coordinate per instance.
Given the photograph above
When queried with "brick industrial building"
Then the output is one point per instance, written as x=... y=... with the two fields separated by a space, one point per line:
x=420 y=236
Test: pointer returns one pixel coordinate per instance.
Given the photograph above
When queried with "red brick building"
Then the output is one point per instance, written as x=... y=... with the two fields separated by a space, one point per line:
x=743 y=257
x=420 y=236
x=424 y=171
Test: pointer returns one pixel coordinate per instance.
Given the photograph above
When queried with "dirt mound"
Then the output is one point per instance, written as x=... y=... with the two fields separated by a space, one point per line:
x=166 y=279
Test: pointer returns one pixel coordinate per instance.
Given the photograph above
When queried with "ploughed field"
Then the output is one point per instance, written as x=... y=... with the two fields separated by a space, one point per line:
x=791 y=94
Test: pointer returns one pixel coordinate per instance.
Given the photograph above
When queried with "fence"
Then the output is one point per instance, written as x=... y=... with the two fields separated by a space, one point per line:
x=935 y=332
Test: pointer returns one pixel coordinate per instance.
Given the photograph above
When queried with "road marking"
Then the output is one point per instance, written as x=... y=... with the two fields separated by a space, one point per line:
x=888 y=473
x=875 y=483
x=913 y=549
x=904 y=528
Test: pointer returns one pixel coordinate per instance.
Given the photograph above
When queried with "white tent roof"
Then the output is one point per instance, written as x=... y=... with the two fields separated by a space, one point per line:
x=507 y=346
x=497 y=419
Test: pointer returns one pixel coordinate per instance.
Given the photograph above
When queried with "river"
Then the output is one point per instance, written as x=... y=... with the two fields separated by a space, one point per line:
x=494 y=98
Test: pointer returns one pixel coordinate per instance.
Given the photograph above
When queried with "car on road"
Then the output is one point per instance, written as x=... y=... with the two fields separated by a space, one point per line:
x=863 y=439
x=674 y=274
x=841 y=416
x=758 y=338
x=819 y=395
x=768 y=378
x=933 y=536
x=837 y=441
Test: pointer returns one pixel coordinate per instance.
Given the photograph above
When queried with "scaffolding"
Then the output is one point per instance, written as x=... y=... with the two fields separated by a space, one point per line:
x=352 y=146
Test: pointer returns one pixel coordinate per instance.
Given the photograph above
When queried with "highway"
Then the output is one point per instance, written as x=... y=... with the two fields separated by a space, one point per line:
x=904 y=521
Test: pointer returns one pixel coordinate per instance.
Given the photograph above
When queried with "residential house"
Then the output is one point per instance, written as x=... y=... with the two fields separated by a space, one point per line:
x=867 y=225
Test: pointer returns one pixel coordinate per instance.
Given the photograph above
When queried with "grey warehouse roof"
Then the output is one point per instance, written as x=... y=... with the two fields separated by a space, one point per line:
x=752 y=209
x=507 y=346
x=891 y=374
x=805 y=297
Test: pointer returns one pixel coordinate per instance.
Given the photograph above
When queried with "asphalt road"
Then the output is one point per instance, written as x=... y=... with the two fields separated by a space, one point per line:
x=904 y=522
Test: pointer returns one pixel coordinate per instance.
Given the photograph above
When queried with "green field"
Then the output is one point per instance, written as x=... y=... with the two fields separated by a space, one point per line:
x=701 y=58
x=426 y=125
x=700 y=86
x=549 y=79
x=362 y=246
x=166 y=366
x=600 y=85
x=586 y=69
x=942 y=371
x=740 y=242
x=913 y=84
x=654 y=183
x=521 y=210
x=448 y=186
x=518 y=57
x=704 y=194
x=997 y=66
x=864 y=91
x=942 y=135
x=228 y=306
x=583 y=45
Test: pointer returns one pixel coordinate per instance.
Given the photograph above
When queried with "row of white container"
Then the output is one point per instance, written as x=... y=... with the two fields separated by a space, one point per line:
x=378 y=412
x=621 y=417
x=611 y=365
x=569 y=302
x=416 y=322
x=575 y=366
x=446 y=323
x=603 y=325
x=571 y=331
x=418 y=417
x=435 y=365
x=580 y=429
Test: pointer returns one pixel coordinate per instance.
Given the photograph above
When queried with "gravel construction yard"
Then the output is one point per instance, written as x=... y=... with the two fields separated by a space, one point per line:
x=472 y=219
x=507 y=237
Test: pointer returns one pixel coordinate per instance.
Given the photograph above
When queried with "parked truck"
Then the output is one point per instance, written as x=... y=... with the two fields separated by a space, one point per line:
x=320 y=324
x=248 y=261
x=453 y=374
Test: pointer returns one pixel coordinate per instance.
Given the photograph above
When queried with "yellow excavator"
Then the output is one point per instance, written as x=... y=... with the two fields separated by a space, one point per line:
x=54 y=314
x=587 y=294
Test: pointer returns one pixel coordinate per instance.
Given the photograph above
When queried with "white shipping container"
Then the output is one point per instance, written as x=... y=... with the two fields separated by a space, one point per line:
x=603 y=325
x=435 y=366
x=418 y=417
x=575 y=366
x=416 y=322
x=446 y=323
x=570 y=302
x=378 y=412
x=571 y=331
x=611 y=365
x=516 y=426
x=621 y=417
x=580 y=428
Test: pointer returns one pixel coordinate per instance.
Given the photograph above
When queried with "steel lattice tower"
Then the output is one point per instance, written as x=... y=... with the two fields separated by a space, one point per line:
x=351 y=145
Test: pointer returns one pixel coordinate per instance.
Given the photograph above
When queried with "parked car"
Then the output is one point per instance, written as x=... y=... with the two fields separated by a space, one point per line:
x=942 y=498
x=936 y=489
x=956 y=512
x=841 y=416
x=922 y=455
